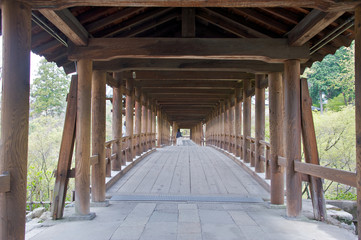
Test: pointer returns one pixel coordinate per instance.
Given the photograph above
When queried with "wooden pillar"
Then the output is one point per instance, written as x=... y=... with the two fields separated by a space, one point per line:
x=98 y=135
x=276 y=120
x=129 y=102
x=138 y=118
x=154 y=123
x=150 y=124
x=227 y=124
x=175 y=129
x=117 y=124
x=159 y=126
x=260 y=123
x=16 y=23
x=82 y=152
x=246 y=120
x=358 y=109
x=293 y=136
x=145 y=123
x=223 y=112
x=238 y=121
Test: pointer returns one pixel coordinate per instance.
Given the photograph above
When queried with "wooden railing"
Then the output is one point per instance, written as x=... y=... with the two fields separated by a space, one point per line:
x=306 y=169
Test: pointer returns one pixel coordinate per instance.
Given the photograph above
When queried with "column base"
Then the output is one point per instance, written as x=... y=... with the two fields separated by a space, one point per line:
x=100 y=204
x=86 y=217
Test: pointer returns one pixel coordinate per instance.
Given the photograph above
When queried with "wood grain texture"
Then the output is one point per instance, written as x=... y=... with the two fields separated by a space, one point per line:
x=238 y=121
x=82 y=151
x=129 y=103
x=4 y=182
x=311 y=152
x=358 y=108
x=16 y=27
x=293 y=136
x=188 y=22
x=267 y=50
x=324 y=5
x=312 y=24
x=98 y=135
x=259 y=123
x=117 y=124
x=66 y=151
x=276 y=120
x=138 y=117
x=246 y=120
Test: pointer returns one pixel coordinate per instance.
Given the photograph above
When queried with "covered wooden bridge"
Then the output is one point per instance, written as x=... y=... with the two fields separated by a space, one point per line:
x=182 y=64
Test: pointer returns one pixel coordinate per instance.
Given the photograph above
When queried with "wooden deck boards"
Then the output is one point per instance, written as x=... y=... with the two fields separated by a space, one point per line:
x=188 y=170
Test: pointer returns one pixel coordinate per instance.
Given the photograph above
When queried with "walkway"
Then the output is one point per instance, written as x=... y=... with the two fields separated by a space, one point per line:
x=188 y=192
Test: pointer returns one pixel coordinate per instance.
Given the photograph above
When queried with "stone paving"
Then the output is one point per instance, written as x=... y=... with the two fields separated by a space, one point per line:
x=188 y=221
x=157 y=207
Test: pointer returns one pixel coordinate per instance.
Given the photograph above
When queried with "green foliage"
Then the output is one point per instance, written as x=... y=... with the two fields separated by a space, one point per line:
x=345 y=196
x=336 y=104
x=335 y=132
x=333 y=76
x=49 y=89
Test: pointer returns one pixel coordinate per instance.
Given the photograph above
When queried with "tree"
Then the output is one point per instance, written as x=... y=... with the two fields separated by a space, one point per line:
x=49 y=89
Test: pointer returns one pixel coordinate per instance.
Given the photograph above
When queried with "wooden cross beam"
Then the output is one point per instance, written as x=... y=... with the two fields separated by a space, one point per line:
x=179 y=84
x=188 y=91
x=312 y=24
x=267 y=50
x=128 y=64
x=325 y=5
x=186 y=75
x=65 y=21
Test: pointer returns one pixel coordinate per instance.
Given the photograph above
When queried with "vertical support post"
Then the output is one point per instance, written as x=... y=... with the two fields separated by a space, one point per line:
x=174 y=129
x=246 y=120
x=16 y=22
x=82 y=152
x=145 y=122
x=150 y=124
x=293 y=136
x=159 y=126
x=138 y=119
x=223 y=132
x=129 y=116
x=238 y=121
x=260 y=123
x=276 y=121
x=154 y=123
x=98 y=135
x=227 y=126
x=358 y=109
x=117 y=123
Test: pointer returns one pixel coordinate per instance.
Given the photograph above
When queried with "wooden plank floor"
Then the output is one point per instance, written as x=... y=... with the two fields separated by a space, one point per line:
x=188 y=170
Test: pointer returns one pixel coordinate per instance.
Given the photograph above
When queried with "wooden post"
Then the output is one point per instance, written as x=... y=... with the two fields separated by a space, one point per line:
x=228 y=125
x=238 y=121
x=82 y=152
x=145 y=123
x=276 y=120
x=98 y=135
x=129 y=116
x=154 y=123
x=223 y=132
x=260 y=123
x=159 y=126
x=117 y=124
x=358 y=110
x=246 y=120
x=293 y=136
x=233 y=134
x=150 y=123
x=16 y=22
x=311 y=153
x=138 y=118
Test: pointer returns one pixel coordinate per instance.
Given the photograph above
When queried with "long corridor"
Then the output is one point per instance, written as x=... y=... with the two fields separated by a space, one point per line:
x=187 y=193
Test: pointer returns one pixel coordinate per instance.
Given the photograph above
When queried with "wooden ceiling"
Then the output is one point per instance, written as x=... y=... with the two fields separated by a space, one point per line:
x=186 y=87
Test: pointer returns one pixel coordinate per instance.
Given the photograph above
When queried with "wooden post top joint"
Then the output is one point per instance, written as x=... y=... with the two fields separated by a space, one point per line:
x=5 y=182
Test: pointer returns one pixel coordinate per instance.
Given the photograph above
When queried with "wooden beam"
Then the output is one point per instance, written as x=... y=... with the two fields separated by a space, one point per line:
x=98 y=135
x=358 y=109
x=311 y=152
x=180 y=84
x=292 y=134
x=128 y=64
x=188 y=23
x=187 y=91
x=312 y=24
x=65 y=21
x=186 y=75
x=16 y=32
x=325 y=5
x=268 y=50
x=66 y=151
x=276 y=120
x=112 y=82
x=83 y=127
